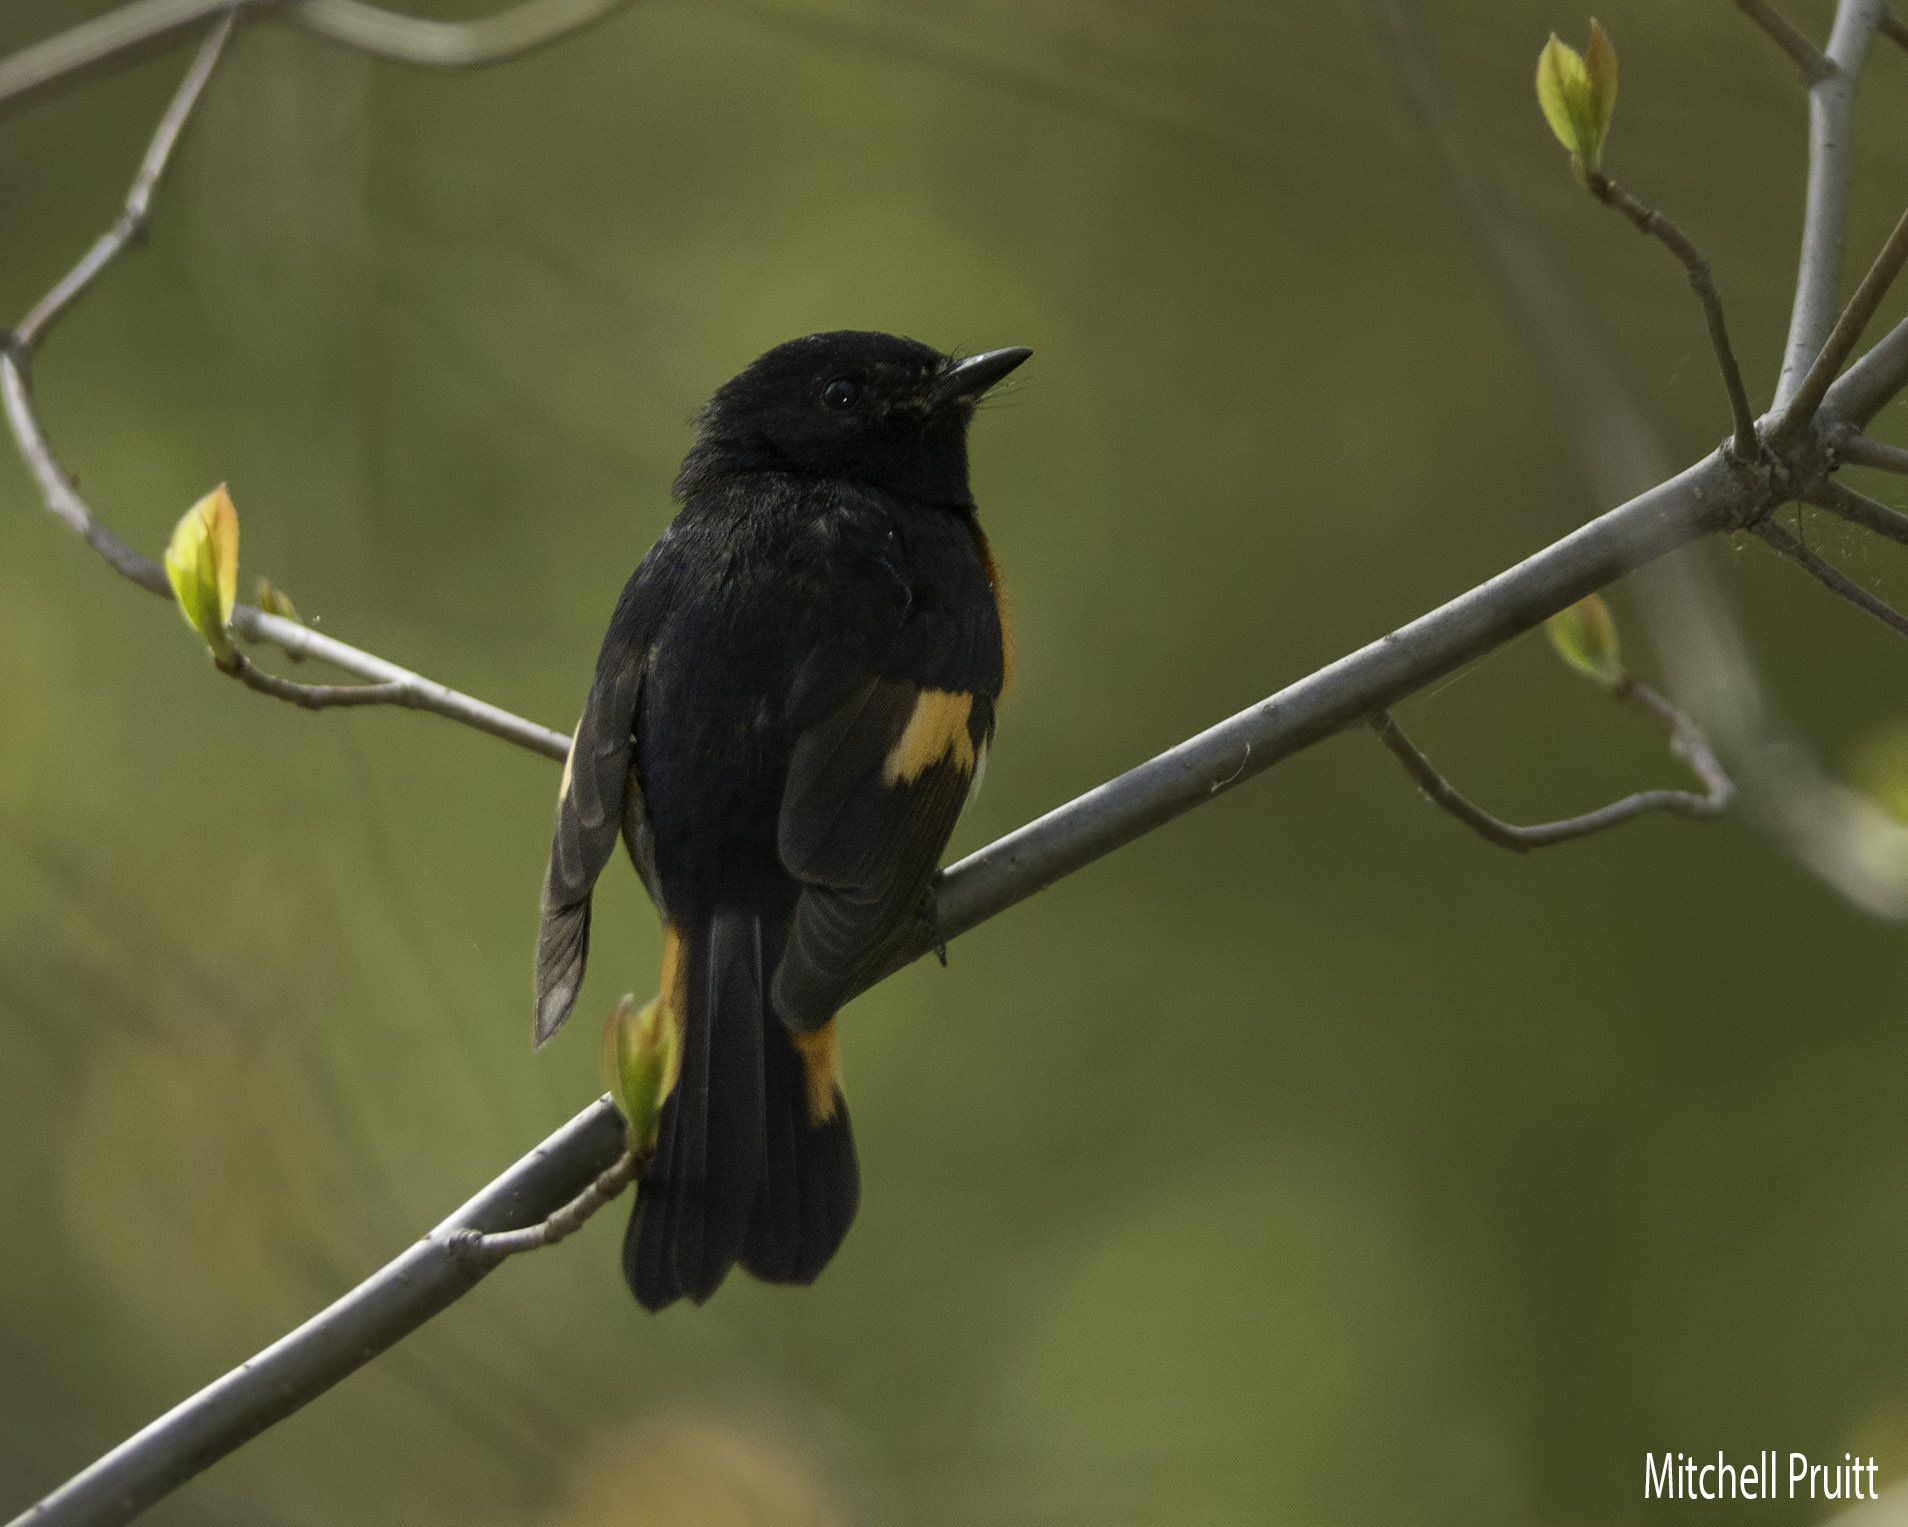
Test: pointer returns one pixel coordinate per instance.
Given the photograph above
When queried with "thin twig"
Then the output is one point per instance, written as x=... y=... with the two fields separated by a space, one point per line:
x=315 y=696
x=1861 y=391
x=449 y=44
x=1859 y=450
x=388 y=683
x=132 y=221
x=1621 y=448
x=1825 y=213
x=1893 y=27
x=491 y=1248
x=1832 y=577
x=1648 y=220
x=1842 y=339
x=1860 y=509
x=1686 y=742
x=122 y=33
x=430 y=1276
x=1813 y=64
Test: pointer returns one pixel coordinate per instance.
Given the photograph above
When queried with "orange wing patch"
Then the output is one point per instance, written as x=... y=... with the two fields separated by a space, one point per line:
x=821 y=1061
x=674 y=997
x=999 y=585
x=936 y=729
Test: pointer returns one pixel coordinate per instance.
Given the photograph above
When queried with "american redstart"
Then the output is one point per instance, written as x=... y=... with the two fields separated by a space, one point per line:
x=793 y=700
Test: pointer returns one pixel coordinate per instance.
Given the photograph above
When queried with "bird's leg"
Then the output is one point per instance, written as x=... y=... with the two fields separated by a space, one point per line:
x=929 y=914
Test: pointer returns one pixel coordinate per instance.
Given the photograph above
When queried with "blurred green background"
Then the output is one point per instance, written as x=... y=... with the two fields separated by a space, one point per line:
x=1307 y=1161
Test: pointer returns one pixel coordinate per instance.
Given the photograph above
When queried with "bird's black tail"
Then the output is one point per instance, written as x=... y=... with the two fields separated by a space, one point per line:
x=754 y=1160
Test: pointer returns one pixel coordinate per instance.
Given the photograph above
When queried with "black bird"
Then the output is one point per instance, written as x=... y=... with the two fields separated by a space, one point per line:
x=793 y=700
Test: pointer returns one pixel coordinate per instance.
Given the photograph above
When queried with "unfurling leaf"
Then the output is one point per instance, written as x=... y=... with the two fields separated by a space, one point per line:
x=642 y=1050
x=202 y=567
x=1577 y=92
x=1586 y=638
x=1878 y=766
x=275 y=601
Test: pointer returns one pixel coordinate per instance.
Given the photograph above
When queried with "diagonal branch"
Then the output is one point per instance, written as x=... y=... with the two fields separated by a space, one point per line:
x=426 y=1279
x=1860 y=392
x=1649 y=221
x=124 y=33
x=431 y=1275
x=1832 y=577
x=1686 y=742
x=1860 y=509
x=1716 y=493
x=1813 y=64
x=1842 y=339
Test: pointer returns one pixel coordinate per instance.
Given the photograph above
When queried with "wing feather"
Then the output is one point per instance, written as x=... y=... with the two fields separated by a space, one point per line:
x=598 y=801
x=872 y=796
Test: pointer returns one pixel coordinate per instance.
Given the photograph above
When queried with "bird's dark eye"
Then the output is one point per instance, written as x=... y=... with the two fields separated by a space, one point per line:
x=841 y=394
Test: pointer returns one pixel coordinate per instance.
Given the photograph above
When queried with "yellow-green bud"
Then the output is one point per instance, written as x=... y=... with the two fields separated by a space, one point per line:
x=202 y=566
x=1586 y=638
x=642 y=1051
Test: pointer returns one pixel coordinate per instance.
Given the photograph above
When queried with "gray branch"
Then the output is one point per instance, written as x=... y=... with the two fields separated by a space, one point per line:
x=1715 y=494
x=1686 y=742
x=1783 y=32
x=449 y=44
x=1863 y=452
x=1825 y=214
x=1647 y=220
x=427 y=1278
x=1832 y=577
x=124 y=32
x=1842 y=340
x=1862 y=389
x=434 y=1273
x=1860 y=509
x=388 y=684
x=490 y=1248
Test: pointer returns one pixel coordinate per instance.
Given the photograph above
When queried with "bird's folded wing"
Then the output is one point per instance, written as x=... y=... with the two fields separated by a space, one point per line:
x=599 y=799
x=872 y=795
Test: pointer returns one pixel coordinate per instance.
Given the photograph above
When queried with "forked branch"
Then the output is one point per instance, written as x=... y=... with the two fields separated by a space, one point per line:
x=1800 y=412
x=1813 y=63
x=388 y=683
x=487 y=1249
x=1686 y=742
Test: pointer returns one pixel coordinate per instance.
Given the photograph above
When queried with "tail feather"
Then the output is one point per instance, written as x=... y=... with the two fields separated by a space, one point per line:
x=811 y=1182
x=649 y=1246
x=741 y=1172
x=693 y=1220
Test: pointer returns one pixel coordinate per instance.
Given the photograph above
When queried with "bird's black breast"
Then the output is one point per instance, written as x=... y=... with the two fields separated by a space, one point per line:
x=779 y=596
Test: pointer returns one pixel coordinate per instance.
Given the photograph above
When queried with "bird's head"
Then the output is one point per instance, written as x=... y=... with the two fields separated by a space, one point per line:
x=872 y=407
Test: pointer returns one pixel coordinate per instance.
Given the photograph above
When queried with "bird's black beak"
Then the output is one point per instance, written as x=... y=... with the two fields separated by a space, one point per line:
x=973 y=376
